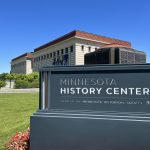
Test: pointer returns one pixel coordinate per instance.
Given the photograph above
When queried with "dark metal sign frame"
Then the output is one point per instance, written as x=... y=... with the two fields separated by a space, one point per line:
x=48 y=84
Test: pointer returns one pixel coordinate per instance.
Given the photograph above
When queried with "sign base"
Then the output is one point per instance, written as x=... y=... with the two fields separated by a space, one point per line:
x=59 y=130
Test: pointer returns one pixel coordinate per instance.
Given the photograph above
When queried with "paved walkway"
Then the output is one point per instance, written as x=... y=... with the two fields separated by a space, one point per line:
x=31 y=90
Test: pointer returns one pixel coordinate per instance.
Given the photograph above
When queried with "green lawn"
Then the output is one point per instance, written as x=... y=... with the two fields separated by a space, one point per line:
x=15 y=111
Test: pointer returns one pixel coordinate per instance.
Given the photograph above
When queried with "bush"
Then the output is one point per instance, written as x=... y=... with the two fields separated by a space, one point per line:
x=22 y=80
x=33 y=85
x=21 y=141
x=2 y=84
x=25 y=84
x=32 y=76
x=20 y=76
x=3 y=76
x=21 y=84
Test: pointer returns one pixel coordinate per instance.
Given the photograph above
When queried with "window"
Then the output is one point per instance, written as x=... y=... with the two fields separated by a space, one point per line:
x=62 y=51
x=50 y=55
x=66 y=50
x=58 y=53
x=82 y=47
x=116 y=56
x=71 y=48
x=41 y=57
x=53 y=54
x=89 y=49
x=44 y=56
x=47 y=56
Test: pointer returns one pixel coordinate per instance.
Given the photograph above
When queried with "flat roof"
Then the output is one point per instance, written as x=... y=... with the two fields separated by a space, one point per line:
x=86 y=35
x=27 y=55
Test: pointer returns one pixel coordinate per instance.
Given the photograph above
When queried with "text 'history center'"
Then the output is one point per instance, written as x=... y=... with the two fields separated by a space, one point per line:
x=109 y=91
x=96 y=87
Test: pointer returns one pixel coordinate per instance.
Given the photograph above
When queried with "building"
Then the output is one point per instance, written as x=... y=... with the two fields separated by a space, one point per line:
x=70 y=49
x=22 y=64
x=115 y=54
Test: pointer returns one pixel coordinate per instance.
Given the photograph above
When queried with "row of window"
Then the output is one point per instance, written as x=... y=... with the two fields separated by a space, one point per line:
x=54 y=54
x=60 y=52
x=89 y=48
x=19 y=64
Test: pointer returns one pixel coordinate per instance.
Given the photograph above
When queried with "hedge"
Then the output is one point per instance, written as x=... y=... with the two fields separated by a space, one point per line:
x=26 y=84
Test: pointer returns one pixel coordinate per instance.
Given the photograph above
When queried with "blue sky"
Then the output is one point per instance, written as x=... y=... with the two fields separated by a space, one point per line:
x=27 y=24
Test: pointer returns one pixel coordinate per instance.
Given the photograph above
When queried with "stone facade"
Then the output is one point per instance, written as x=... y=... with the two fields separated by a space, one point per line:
x=22 y=64
x=68 y=49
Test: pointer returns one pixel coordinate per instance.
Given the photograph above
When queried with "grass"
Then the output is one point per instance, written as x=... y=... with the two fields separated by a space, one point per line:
x=15 y=111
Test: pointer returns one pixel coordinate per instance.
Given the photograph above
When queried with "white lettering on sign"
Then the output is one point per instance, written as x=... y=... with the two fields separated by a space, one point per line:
x=109 y=91
x=98 y=86
x=79 y=90
x=128 y=91
x=88 y=81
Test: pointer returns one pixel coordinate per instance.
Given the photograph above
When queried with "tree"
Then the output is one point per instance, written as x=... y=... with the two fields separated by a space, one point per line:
x=3 y=76
x=20 y=76
x=10 y=77
x=2 y=84
x=33 y=76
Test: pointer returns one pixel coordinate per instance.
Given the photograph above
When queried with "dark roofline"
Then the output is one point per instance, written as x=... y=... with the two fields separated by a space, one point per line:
x=62 y=38
x=78 y=34
x=28 y=55
x=103 y=36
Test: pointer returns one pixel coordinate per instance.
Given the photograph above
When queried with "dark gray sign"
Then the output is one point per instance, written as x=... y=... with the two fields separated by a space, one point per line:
x=104 y=107
x=127 y=91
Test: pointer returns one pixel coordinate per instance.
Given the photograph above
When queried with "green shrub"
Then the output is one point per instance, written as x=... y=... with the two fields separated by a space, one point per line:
x=22 y=80
x=2 y=84
x=21 y=76
x=10 y=76
x=21 y=84
x=25 y=84
x=32 y=76
x=33 y=84
x=3 y=76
